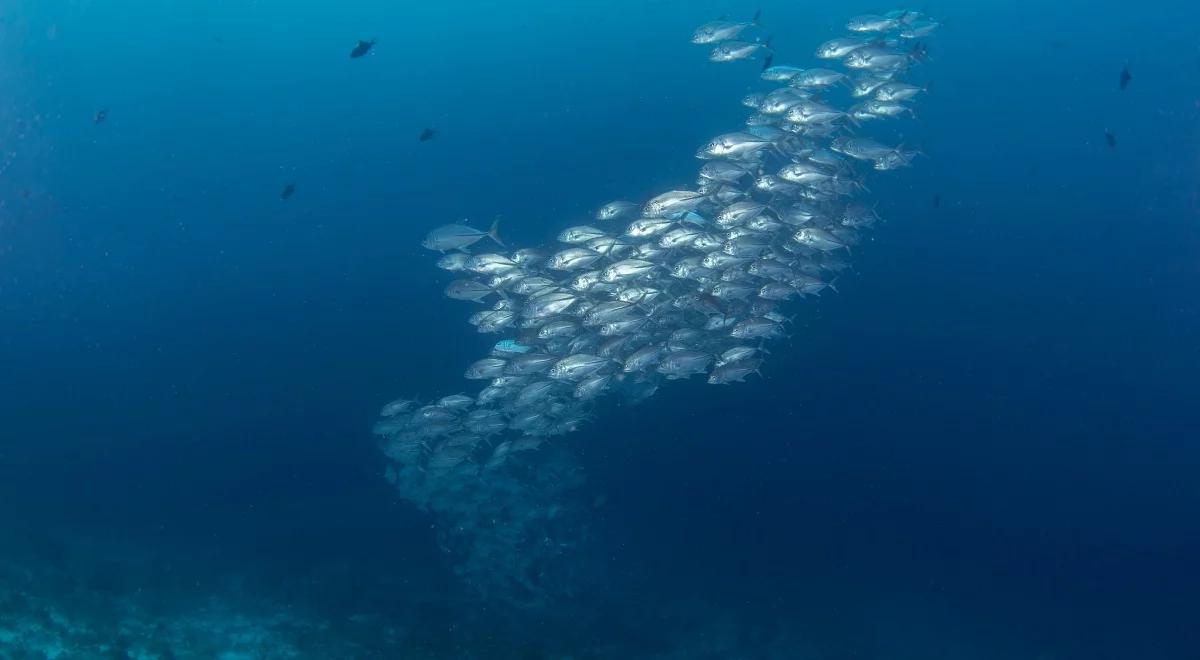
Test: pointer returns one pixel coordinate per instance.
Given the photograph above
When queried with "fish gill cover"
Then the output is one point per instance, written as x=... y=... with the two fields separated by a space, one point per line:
x=688 y=283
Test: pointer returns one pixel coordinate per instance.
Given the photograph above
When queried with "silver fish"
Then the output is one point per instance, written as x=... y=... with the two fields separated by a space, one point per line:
x=919 y=30
x=490 y=264
x=459 y=237
x=616 y=210
x=679 y=237
x=397 y=407
x=897 y=91
x=454 y=261
x=733 y=145
x=530 y=363
x=756 y=328
x=590 y=388
x=579 y=234
x=731 y=51
x=818 y=238
x=733 y=372
x=574 y=259
x=648 y=227
x=535 y=392
x=560 y=328
x=682 y=364
x=780 y=73
x=836 y=49
x=817 y=78
x=548 y=304
x=724 y=171
x=738 y=354
x=673 y=201
x=578 y=366
x=872 y=23
x=472 y=290
x=642 y=358
x=626 y=269
x=717 y=31
x=486 y=368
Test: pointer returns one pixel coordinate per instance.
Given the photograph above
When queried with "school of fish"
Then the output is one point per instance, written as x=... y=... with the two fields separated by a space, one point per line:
x=688 y=284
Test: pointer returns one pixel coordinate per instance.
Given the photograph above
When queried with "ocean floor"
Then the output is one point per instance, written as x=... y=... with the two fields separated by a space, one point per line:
x=39 y=619
x=87 y=599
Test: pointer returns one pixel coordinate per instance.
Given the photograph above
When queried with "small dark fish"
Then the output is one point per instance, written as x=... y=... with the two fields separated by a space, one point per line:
x=288 y=191
x=362 y=48
x=101 y=115
x=426 y=135
x=937 y=200
x=1110 y=138
x=1125 y=77
x=767 y=61
x=757 y=15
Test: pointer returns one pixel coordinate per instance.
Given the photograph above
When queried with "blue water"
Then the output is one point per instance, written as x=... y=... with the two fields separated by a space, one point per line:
x=983 y=447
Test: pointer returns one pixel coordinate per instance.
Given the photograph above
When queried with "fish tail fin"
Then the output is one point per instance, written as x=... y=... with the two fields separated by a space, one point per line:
x=494 y=232
x=767 y=61
x=757 y=15
x=831 y=285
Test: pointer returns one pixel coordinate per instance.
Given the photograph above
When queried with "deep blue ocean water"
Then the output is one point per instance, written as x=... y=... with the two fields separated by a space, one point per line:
x=983 y=447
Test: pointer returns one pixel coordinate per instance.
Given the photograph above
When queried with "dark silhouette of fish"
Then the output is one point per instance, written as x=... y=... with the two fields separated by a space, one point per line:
x=1125 y=77
x=767 y=61
x=1110 y=138
x=288 y=191
x=362 y=48
x=426 y=135
x=919 y=52
x=101 y=115
x=937 y=200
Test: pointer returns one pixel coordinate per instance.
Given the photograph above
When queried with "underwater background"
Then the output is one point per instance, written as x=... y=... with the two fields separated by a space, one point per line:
x=983 y=447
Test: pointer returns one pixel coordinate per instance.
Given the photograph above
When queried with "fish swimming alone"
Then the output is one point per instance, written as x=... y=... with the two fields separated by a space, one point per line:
x=459 y=236
x=288 y=191
x=362 y=48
